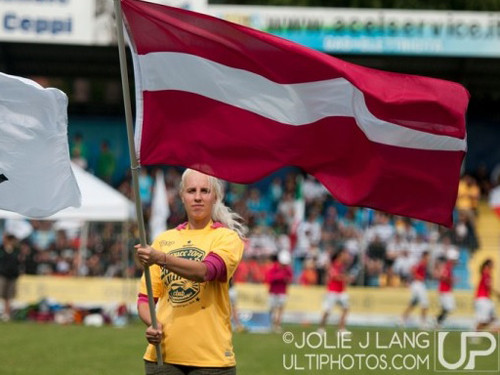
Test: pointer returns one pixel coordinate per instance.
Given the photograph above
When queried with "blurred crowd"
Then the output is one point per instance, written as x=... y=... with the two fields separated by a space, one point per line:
x=292 y=213
x=299 y=216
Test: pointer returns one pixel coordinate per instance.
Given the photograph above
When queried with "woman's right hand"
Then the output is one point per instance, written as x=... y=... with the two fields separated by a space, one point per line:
x=148 y=256
x=154 y=336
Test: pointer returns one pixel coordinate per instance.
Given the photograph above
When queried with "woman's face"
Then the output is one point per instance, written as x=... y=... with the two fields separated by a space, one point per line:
x=198 y=197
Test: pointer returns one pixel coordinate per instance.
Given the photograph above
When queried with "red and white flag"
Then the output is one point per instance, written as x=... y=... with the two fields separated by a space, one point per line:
x=239 y=104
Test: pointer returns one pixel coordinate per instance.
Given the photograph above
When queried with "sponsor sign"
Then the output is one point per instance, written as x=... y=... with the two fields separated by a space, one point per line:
x=375 y=31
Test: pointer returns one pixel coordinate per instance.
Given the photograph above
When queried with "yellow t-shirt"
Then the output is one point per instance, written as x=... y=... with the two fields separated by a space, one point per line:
x=196 y=317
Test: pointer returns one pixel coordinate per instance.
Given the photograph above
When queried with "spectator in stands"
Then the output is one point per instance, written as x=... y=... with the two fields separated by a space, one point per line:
x=483 y=304
x=280 y=226
x=79 y=160
x=377 y=249
x=45 y=263
x=261 y=242
x=383 y=228
x=323 y=262
x=146 y=183
x=330 y=230
x=405 y=229
x=351 y=239
x=258 y=207
x=444 y=273
x=190 y=267
x=275 y=192
x=308 y=235
x=364 y=217
x=79 y=152
x=495 y=175
x=418 y=247
x=394 y=249
x=468 y=196
x=28 y=258
x=442 y=248
x=233 y=297
x=418 y=290
x=9 y=272
x=234 y=194
x=482 y=176
x=94 y=266
x=113 y=265
x=257 y=267
x=464 y=233
x=309 y=275
x=62 y=265
x=125 y=186
x=375 y=261
x=106 y=163
x=278 y=276
x=349 y=219
x=43 y=234
x=337 y=280
x=313 y=191
x=403 y=265
x=290 y=184
x=286 y=208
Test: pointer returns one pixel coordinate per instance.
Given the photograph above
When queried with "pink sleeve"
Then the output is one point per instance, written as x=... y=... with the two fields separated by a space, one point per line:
x=216 y=268
x=142 y=298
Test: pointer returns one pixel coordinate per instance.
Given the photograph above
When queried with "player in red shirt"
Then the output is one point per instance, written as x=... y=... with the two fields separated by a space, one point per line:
x=485 y=308
x=419 y=290
x=337 y=279
x=444 y=274
x=278 y=276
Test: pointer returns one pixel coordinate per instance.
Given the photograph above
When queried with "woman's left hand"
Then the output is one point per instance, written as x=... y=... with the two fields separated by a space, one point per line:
x=154 y=336
x=148 y=256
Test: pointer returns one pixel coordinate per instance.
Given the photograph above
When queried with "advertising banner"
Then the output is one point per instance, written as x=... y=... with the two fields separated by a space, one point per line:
x=375 y=31
x=76 y=22
x=47 y=21
x=365 y=301
x=331 y=30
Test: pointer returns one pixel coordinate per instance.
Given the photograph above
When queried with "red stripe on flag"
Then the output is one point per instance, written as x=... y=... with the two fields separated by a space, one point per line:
x=240 y=146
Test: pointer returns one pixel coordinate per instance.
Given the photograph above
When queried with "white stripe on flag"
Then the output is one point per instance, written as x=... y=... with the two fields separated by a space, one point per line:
x=292 y=104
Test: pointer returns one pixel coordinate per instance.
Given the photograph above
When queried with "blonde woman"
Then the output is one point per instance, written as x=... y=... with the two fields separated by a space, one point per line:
x=190 y=267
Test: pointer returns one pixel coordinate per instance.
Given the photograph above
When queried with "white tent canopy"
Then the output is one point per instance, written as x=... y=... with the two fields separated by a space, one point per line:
x=100 y=202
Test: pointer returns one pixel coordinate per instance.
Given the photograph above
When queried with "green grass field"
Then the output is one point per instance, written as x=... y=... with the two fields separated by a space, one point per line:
x=49 y=349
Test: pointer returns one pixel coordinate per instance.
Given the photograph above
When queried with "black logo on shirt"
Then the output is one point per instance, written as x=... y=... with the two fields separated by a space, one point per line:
x=3 y=178
x=180 y=290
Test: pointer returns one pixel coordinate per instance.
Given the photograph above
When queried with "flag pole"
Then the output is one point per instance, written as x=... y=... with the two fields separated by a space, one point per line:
x=134 y=166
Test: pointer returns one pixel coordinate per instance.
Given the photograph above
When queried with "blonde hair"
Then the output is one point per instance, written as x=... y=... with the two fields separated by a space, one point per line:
x=220 y=212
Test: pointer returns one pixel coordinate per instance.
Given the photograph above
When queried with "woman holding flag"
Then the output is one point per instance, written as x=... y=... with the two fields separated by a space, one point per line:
x=190 y=267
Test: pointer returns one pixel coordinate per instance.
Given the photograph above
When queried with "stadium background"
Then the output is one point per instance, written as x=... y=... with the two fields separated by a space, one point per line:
x=70 y=44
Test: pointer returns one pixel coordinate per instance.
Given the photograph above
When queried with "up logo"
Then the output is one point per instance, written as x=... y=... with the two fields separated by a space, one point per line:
x=476 y=351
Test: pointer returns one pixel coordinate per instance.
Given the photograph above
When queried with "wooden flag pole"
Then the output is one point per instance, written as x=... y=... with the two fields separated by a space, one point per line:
x=134 y=164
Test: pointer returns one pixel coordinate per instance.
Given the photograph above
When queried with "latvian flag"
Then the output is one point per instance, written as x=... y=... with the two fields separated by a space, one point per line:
x=239 y=104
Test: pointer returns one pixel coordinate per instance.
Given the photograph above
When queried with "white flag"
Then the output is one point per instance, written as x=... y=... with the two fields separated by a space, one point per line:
x=36 y=179
x=160 y=210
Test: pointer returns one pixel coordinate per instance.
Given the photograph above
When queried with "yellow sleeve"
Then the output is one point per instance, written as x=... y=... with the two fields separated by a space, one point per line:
x=156 y=283
x=229 y=246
